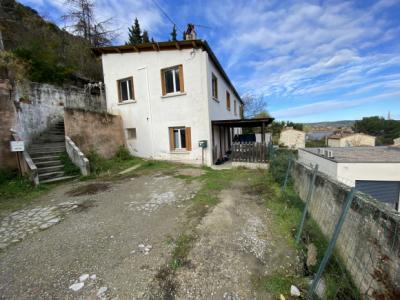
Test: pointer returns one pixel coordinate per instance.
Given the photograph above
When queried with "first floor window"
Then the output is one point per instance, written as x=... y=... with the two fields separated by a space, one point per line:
x=180 y=138
x=214 y=84
x=125 y=89
x=172 y=80
x=228 y=101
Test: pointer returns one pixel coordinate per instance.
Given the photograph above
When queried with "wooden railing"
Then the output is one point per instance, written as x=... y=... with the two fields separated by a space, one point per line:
x=250 y=152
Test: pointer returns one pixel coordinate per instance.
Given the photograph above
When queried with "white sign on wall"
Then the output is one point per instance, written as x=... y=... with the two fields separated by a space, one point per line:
x=17 y=146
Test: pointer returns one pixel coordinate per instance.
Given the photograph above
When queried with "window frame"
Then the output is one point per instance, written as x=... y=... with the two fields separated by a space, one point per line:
x=130 y=97
x=214 y=87
x=228 y=101
x=188 y=139
x=175 y=77
x=127 y=133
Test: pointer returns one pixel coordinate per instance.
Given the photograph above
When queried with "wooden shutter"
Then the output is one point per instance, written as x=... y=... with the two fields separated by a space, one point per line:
x=163 y=88
x=188 y=136
x=171 y=139
x=181 y=84
x=119 y=90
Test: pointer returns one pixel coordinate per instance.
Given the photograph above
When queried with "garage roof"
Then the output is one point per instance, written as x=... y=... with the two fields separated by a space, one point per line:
x=382 y=154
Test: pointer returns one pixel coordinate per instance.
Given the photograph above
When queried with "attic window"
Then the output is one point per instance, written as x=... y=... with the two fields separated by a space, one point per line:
x=172 y=80
x=125 y=89
x=228 y=101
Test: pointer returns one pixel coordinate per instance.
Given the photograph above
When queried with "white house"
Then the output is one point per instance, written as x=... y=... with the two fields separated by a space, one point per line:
x=292 y=138
x=171 y=96
x=351 y=140
x=396 y=142
x=373 y=170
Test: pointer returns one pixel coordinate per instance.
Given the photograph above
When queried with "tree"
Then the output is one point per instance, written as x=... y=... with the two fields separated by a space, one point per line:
x=145 y=37
x=254 y=105
x=152 y=40
x=85 y=25
x=384 y=130
x=135 y=34
x=173 y=33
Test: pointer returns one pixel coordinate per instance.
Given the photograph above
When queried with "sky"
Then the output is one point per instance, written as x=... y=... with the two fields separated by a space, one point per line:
x=311 y=60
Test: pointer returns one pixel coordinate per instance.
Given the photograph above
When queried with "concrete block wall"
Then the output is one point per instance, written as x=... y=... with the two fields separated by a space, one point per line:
x=368 y=243
x=101 y=132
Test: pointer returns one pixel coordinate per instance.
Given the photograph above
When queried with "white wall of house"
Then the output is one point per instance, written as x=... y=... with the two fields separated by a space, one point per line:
x=325 y=166
x=151 y=113
x=292 y=138
x=369 y=171
x=348 y=173
x=354 y=140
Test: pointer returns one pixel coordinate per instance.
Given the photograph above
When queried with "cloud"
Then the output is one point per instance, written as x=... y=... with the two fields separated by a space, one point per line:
x=330 y=105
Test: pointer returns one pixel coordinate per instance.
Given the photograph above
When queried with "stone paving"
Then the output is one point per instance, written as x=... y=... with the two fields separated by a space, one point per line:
x=16 y=226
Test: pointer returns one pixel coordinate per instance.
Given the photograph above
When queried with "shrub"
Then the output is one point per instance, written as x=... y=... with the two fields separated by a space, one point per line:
x=123 y=154
x=279 y=164
x=7 y=175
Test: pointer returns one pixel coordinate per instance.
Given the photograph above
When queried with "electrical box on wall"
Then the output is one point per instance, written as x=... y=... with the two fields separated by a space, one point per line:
x=203 y=144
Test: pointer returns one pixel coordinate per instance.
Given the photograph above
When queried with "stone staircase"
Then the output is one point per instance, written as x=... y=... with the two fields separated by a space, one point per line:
x=45 y=152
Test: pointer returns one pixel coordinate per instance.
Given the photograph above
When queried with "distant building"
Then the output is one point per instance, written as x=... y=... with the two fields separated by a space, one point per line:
x=292 y=138
x=351 y=140
x=372 y=170
x=396 y=142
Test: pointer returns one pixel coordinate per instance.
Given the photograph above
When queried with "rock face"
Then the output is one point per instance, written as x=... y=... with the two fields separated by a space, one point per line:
x=311 y=255
x=16 y=226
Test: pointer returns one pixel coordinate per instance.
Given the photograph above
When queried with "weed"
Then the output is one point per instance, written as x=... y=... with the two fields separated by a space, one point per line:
x=69 y=167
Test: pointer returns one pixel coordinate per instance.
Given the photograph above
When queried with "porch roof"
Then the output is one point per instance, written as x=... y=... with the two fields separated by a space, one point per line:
x=243 y=122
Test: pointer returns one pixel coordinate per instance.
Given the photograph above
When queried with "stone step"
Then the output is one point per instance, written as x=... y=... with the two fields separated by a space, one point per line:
x=36 y=145
x=53 y=139
x=45 y=170
x=48 y=163
x=46 y=148
x=45 y=158
x=50 y=175
x=41 y=153
x=56 y=179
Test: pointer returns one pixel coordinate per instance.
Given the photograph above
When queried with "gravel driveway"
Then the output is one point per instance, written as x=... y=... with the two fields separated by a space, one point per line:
x=103 y=240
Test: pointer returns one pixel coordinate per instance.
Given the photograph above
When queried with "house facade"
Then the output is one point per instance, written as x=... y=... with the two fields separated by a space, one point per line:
x=351 y=140
x=292 y=138
x=372 y=170
x=168 y=94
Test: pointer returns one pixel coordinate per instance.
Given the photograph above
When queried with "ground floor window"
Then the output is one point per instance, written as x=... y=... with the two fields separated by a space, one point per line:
x=180 y=138
x=131 y=133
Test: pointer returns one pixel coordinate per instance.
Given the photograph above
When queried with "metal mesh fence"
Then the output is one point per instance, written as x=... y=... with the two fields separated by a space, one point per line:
x=355 y=235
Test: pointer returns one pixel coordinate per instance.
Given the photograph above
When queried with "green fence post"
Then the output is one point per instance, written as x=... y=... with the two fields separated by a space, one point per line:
x=287 y=175
x=309 y=195
x=331 y=246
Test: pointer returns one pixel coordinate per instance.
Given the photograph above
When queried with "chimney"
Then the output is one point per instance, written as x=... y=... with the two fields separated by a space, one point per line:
x=190 y=33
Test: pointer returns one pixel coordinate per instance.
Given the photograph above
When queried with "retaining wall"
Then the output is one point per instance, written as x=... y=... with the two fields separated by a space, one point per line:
x=369 y=240
x=101 y=132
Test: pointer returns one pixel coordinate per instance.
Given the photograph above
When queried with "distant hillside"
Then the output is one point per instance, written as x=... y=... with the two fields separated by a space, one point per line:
x=344 y=123
x=53 y=55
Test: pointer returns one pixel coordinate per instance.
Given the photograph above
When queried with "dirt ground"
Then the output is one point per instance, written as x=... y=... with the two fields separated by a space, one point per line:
x=115 y=237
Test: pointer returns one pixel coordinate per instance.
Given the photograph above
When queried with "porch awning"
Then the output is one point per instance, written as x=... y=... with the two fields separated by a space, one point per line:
x=243 y=122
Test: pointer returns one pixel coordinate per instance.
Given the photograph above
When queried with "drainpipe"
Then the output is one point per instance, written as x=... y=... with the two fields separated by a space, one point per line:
x=150 y=118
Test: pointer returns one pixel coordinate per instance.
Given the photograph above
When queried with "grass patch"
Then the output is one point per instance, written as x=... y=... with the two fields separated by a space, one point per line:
x=183 y=245
x=17 y=192
x=287 y=208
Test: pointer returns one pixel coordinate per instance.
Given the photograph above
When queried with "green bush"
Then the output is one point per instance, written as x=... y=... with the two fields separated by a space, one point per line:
x=69 y=167
x=123 y=154
x=7 y=175
x=279 y=164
